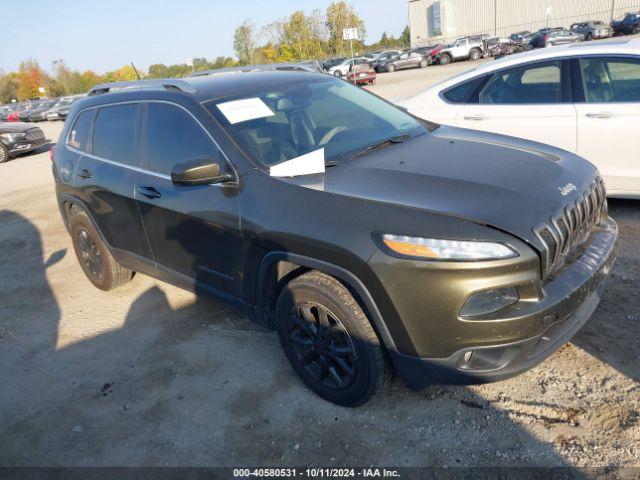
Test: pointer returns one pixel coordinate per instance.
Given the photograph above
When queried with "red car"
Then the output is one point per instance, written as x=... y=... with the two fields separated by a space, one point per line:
x=362 y=74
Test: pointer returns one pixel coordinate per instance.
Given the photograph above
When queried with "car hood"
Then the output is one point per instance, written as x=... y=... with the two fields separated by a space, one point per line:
x=504 y=182
x=15 y=127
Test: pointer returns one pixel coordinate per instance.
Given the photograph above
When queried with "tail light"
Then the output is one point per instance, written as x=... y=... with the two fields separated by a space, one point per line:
x=546 y=37
x=52 y=152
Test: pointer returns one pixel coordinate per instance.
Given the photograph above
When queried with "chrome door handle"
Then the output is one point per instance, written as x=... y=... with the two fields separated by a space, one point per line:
x=476 y=118
x=600 y=115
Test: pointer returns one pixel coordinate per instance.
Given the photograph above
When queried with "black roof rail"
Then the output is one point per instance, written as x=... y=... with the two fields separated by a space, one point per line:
x=302 y=67
x=155 y=84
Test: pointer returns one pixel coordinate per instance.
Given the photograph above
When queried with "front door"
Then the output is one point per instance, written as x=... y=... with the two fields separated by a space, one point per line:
x=194 y=231
x=608 y=120
x=525 y=102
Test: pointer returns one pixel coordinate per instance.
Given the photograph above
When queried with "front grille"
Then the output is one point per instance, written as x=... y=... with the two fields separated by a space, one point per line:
x=571 y=227
x=34 y=135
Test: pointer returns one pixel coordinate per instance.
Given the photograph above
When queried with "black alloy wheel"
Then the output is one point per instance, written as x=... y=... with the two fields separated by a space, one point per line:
x=89 y=256
x=322 y=345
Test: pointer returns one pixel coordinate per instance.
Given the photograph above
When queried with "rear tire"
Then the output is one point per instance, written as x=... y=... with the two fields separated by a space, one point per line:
x=424 y=64
x=329 y=341
x=4 y=153
x=337 y=73
x=97 y=262
x=475 y=55
x=445 y=59
x=589 y=37
x=392 y=68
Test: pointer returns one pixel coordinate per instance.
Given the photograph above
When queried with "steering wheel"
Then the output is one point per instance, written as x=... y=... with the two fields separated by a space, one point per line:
x=332 y=133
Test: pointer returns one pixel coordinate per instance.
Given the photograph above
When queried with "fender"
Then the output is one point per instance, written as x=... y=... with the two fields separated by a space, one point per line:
x=340 y=273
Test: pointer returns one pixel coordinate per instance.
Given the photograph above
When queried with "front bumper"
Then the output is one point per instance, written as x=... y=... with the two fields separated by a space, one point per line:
x=516 y=338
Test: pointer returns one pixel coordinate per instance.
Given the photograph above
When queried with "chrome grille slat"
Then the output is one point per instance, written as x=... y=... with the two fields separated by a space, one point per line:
x=571 y=227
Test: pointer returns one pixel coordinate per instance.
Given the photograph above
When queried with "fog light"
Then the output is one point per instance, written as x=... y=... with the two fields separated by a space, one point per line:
x=489 y=301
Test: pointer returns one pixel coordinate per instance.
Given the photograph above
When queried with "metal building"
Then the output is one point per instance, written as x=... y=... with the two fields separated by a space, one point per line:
x=434 y=21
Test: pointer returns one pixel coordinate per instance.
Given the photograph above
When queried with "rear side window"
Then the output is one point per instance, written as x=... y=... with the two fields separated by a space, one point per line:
x=608 y=80
x=115 y=134
x=173 y=136
x=462 y=93
x=533 y=84
x=81 y=131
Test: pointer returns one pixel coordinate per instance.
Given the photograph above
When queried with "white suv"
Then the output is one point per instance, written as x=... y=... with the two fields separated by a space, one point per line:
x=584 y=98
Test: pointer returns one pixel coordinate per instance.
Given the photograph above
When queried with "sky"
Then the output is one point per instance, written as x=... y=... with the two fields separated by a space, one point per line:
x=105 y=35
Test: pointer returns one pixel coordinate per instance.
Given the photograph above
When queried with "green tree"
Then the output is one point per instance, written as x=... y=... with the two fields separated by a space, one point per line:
x=405 y=36
x=244 y=43
x=9 y=84
x=341 y=15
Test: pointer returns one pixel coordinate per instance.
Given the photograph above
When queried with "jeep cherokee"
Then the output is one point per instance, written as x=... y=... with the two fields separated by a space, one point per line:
x=370 y=240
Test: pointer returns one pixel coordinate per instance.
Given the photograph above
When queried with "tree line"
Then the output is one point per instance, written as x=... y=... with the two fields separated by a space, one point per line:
x=299 y=37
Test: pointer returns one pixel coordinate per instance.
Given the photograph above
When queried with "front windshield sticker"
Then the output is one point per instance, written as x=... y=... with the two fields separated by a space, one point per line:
x=306 y=164
x=245 y=109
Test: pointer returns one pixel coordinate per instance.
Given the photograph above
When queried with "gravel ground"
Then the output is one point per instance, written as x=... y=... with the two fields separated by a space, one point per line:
x=152 y=375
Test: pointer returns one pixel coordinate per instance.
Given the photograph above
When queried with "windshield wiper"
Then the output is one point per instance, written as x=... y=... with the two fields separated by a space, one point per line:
x=383 y=143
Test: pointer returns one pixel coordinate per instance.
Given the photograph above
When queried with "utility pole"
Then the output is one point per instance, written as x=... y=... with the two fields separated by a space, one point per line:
x=495 y=18
x=613 y=7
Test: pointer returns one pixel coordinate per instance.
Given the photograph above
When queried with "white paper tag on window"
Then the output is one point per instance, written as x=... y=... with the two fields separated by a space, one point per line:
x=306 y=164
x=246 y=109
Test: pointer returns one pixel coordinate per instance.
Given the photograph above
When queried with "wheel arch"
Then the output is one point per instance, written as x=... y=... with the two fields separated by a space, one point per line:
x=278 y=268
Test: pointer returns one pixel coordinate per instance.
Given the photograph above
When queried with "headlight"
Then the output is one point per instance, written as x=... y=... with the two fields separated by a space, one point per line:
x=13 y=137
x=454 y=250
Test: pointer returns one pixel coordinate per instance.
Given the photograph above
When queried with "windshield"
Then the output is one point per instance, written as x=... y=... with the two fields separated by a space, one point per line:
x=299 y=118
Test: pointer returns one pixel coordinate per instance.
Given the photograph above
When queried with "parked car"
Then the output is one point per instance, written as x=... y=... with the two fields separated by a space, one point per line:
x=584 y=99
x=629 y=25
x=519 y=36
x=5 y=110
x=358 y=232
x=554 y=37
x=467 y=48
x=500 y=46
x=403 y=61
x=60 y=110
x=331 y=62
x=386 y=56
x=38 y=112
x=362 y=74
x=344 y=67
x=26 y=108
x=19 y=138
x=592 y=30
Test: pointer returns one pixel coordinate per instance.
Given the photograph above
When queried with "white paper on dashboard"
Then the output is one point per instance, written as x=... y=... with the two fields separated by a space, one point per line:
x=306 y=164
x=246 y=109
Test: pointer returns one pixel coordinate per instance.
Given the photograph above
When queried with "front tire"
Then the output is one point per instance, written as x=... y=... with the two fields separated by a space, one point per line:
x=329 y=341
x=445 y=59
x=97 y=262
x=4 y=153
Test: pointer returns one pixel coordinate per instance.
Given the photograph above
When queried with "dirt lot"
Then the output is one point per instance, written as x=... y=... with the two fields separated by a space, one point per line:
x=152 y=375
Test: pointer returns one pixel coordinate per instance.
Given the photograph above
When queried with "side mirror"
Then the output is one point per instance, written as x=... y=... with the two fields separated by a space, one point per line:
x=198 y=171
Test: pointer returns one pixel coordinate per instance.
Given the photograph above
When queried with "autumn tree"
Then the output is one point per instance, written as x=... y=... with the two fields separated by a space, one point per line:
x=30 y=78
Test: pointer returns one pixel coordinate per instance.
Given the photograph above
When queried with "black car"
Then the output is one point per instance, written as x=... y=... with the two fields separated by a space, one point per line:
x=362 y=234
x=629 y=25
x=384 y=58
x=38 y=113
x=19 y=138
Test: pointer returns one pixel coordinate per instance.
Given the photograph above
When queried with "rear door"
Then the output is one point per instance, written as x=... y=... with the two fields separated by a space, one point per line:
x=531 y=101
x=609 y=119
x=193 y=230
x=105 y=176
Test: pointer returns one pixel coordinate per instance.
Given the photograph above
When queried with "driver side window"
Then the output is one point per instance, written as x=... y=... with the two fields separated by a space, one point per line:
x=174 y=136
